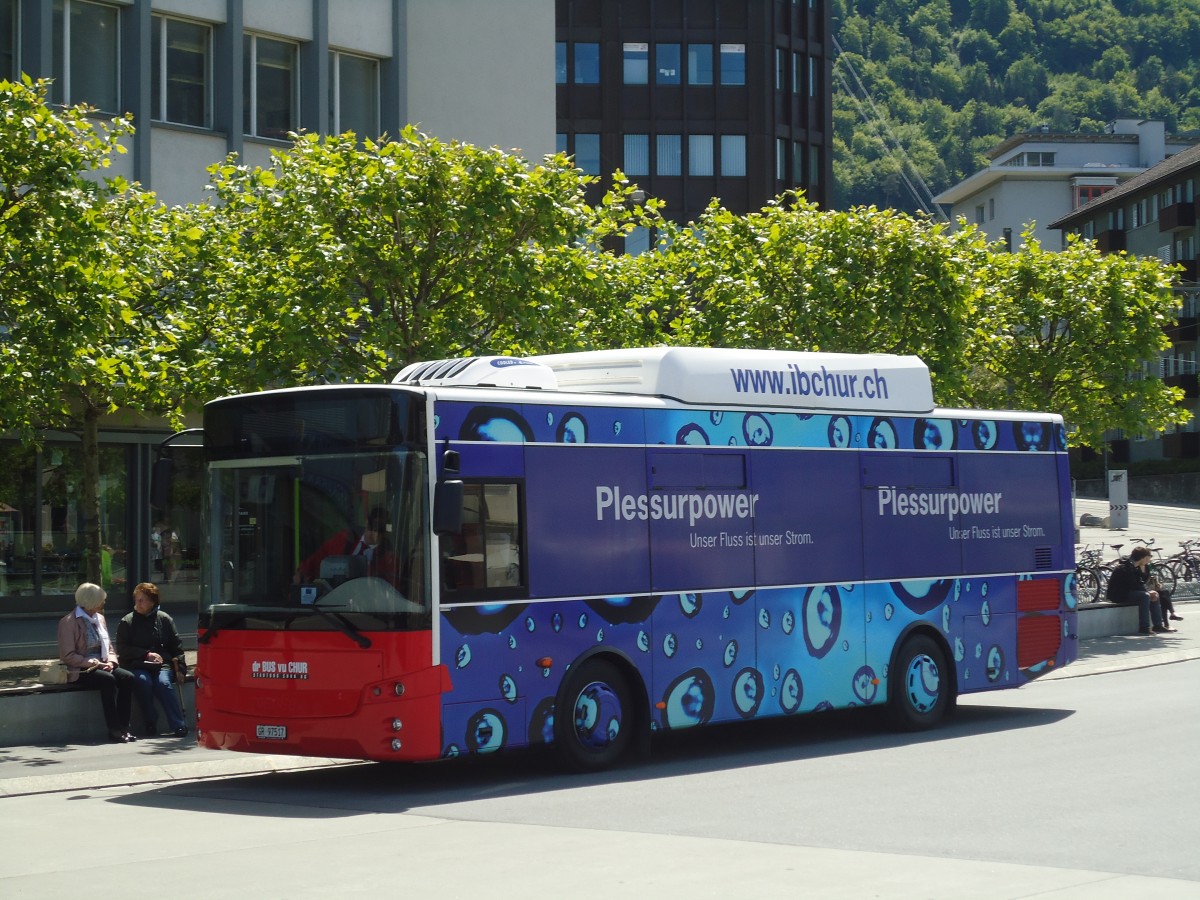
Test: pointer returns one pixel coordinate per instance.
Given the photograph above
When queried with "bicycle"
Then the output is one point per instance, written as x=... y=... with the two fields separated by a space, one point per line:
x=1089 y=582
x=1185 y=565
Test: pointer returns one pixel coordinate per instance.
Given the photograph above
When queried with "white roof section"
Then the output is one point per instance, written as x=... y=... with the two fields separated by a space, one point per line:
x=773 y=378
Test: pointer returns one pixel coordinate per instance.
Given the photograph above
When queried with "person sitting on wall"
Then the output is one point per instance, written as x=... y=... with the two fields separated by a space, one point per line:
x=92 y=661
x=149 y=643
x=371 y=545
x=1128 y=585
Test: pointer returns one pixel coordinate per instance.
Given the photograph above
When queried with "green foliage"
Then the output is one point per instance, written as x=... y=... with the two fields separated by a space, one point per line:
x=83 y=329
x=1000 y=67
x=1069 y=332
x=349 y=261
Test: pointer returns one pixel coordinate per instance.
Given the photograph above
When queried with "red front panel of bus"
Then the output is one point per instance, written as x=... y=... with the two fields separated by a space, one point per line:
x=319 y=694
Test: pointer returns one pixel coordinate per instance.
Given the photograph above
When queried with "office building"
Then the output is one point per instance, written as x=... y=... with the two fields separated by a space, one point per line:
x=693 y=99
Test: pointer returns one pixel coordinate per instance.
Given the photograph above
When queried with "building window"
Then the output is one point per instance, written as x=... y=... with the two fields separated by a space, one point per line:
x=637 y=241
x=797 y=162
x=797 y=70
x=180 y=72
x=271 y=91
x=733 y=64
x=733 y=155
x=669 y=159
x=1086 y=193
x=43 y=519
x=813 y=81
x=637 y=63
x=781 y=166
x=700 y=154
x=666 y=64
x=700 y=64
x=1031 y=158
x=353 y=94
x=587 y=153
x=560 y=62
x=86 y=53
x=8 y=39
x=991 y=208
x=560 y=143
x=587 y=63
x=979 y=216
x=780 y=69
x=815 y=165
x=637 y=154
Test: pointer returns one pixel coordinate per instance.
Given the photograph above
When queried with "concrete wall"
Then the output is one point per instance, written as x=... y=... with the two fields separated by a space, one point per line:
x=1183 y=488
x=482 y=72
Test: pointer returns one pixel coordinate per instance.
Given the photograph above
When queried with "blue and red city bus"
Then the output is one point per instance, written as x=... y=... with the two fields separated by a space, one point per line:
x=583 y=549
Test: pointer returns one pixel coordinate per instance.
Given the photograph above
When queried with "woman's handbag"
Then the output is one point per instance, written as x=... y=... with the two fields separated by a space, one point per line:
x=53 y=672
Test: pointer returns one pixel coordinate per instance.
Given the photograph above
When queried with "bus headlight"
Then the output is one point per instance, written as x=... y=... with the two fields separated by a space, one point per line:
x=396 y=745
x=397 y=724
x=399 y=689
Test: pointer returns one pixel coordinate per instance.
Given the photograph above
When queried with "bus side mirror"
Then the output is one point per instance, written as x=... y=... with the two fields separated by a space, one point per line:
x=448 y=508
x=160 y=482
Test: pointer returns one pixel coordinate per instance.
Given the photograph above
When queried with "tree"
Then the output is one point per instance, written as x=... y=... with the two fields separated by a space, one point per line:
x=793 y=277
x=83 y=330
x=1072 y=332
x=345 y=260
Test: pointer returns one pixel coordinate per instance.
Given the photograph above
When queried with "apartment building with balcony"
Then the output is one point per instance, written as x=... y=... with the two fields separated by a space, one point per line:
x=1156 y=213
x=1038 y=176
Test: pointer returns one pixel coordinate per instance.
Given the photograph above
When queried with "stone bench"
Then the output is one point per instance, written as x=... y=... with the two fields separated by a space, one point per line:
x=32 y=714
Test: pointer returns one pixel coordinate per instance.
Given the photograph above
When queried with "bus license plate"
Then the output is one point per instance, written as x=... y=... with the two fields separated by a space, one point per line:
x=271 y=732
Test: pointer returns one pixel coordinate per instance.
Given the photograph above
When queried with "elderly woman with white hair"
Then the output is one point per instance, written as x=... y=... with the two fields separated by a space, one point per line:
x=84 y=645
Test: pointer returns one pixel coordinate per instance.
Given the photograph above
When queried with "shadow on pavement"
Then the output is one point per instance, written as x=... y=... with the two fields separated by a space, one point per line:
x=398 y=788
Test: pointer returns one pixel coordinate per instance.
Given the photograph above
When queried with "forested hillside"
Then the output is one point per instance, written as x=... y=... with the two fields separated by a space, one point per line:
x=949 y=79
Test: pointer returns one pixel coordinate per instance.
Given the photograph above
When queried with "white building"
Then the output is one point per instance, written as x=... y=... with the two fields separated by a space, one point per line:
x=203 y=78
x=1038 y=177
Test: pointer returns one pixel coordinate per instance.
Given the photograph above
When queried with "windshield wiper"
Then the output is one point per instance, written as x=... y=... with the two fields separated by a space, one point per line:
x=343 y=625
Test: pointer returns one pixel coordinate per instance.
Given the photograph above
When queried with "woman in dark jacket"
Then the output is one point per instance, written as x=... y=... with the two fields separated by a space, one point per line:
x=149 y=644
x=1127 y=584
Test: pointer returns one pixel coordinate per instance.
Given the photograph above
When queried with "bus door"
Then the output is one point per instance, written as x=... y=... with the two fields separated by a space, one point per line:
x=809 y=567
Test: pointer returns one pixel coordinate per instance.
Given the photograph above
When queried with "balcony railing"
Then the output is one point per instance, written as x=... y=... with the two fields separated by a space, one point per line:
x=1183 y=330
x=1177 y=215
x=1111 y=241
x=1188 y=382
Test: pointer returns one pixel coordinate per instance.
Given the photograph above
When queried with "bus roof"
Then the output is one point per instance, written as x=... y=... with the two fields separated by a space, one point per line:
x=698 y=375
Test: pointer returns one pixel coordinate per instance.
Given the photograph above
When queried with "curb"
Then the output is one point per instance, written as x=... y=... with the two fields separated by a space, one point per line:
x=146 y=775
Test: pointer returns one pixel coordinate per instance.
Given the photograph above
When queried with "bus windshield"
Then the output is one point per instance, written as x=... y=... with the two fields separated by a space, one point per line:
x=317 y=542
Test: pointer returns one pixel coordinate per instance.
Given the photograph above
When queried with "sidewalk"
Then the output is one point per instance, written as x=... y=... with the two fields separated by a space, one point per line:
x=72 y=767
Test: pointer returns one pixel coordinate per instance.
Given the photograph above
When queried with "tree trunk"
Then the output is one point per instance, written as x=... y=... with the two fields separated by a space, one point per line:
x=90 y=500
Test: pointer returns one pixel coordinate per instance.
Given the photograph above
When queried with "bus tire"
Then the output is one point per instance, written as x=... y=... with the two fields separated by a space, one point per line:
x=596 y=724
x=921 y=685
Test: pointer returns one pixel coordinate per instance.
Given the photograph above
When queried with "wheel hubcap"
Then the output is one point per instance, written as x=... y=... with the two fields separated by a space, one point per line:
x=922 y=683
x=597 y=716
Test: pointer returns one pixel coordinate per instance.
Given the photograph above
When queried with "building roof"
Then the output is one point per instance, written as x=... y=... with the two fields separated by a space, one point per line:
x=1166 y=170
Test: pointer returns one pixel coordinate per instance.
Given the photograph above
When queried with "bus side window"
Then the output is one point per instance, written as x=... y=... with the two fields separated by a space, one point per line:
x=487 y=554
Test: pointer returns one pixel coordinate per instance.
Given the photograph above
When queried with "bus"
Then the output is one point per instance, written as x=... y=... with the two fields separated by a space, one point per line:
x=582 y=550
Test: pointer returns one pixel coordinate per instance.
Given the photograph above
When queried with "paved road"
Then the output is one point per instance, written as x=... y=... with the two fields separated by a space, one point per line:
x=1028 y=793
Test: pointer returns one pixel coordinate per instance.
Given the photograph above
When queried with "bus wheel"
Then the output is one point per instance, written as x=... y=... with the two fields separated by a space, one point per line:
x=921 y=685
x=596 y=725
